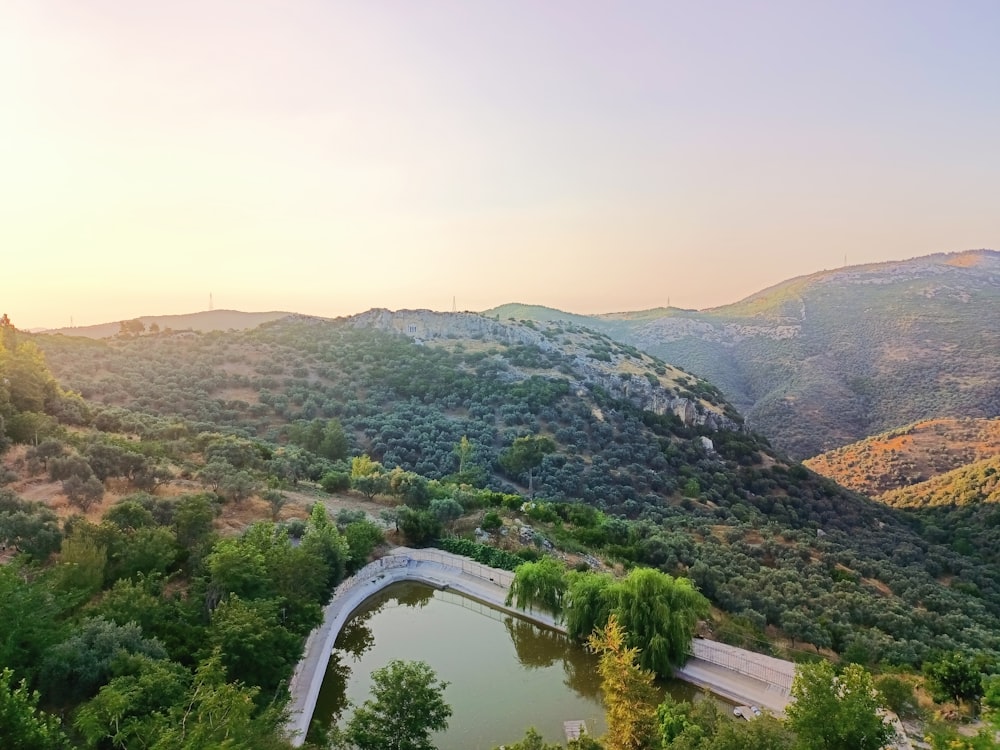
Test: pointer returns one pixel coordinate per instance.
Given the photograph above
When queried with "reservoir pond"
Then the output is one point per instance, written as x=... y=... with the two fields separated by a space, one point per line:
x=505 y=674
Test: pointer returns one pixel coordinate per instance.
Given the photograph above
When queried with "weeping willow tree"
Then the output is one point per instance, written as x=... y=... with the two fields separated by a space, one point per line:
x=587 y=602
x=539 y=584
x=659 y=613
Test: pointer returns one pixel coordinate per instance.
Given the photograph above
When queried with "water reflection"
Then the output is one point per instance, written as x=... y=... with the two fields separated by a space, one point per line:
x=534 y=646
x=505 y=674
x=538 y=647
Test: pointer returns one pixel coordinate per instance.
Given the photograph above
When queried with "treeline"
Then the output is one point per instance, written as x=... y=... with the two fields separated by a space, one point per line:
x=151 y=630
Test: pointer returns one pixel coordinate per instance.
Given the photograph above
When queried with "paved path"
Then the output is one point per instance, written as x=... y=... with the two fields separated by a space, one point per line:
x=740 y=676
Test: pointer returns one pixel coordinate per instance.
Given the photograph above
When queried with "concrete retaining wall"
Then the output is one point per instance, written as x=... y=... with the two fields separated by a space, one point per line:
x=733 y=673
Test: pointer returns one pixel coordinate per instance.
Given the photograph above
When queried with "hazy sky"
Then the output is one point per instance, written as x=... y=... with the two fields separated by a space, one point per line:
x=327 y=157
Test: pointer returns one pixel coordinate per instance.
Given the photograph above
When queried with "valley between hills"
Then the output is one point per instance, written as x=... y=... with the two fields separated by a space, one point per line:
x=155 y=474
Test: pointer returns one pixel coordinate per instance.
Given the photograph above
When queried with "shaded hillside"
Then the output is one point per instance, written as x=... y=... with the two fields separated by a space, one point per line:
x=824 y=360
x=209 y=320
x=910 y=455
x=684 y=487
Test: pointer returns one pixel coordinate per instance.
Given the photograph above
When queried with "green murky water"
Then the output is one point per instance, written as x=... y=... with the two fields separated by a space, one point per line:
x=506 y=674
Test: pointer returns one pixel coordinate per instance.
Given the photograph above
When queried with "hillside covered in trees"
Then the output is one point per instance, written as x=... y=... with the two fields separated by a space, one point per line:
x=554 y=433
x=821 y=361
x=910 y=455
x=682 y=485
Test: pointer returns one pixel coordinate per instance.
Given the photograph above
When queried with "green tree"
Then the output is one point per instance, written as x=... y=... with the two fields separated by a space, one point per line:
x=137 y=601
x=83 y=560
x=323 y=540
x=29 y=617
x=539 y=584
x=836 y=712
x=991 y=700
x=335 y=481
x=525 y=455
x=238 y=486
x=898 y=694
x=491 y=521
x=31 y=528
x=78 y=666
x=83 y=493
x=660 y=614
x=368 y=477
x=588 y=602
x=254 y=647
x=22 y=725
x=362 y=537
x=130 y=328
x=411 y=488
x=276 y=499
x=420 y=527
x=406 y=705
x=130 y=711
x=954 y=676
x=216 y=714
x=28 y=384
x=629 y=697
x=532 y=741
x=325 y=438
x=144 y=551
x=333 y=446
x=763 y=733
x=447 y=510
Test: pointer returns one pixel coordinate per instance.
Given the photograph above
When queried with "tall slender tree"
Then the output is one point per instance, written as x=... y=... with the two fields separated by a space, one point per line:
x=629 y=697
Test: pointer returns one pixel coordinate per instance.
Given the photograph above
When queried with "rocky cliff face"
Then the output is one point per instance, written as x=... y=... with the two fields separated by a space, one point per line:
x=823 y=360
x=427 y=325
x=625 y=376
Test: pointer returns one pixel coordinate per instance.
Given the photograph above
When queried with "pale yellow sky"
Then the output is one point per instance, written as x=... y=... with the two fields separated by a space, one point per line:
x=326 y=157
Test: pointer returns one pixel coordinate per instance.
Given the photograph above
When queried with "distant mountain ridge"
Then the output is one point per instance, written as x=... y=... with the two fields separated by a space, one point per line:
x=823 y=360
x=208 y=320
x=815 y=362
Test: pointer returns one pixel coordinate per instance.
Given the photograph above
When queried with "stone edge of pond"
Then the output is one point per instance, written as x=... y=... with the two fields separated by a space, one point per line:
x=446 y=571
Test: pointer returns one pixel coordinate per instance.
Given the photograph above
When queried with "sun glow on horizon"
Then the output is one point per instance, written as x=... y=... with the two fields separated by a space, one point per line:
x=327 y=158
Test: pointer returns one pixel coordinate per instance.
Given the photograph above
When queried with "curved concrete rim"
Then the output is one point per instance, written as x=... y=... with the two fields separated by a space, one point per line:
x=733 y=673
x=434 y=568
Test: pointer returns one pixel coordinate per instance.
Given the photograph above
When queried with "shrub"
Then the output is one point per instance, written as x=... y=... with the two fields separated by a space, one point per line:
x=335 y=481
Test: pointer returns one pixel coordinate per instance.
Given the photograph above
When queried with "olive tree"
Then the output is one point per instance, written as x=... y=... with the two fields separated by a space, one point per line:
x=837 y=712
x=405 y=706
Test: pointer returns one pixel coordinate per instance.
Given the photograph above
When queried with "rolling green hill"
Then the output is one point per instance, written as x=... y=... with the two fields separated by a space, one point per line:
x=684 y=486
x=821 y=361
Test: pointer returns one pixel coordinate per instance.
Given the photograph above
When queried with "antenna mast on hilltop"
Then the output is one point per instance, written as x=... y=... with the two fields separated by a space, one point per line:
x=210 y=301
x=454 y=308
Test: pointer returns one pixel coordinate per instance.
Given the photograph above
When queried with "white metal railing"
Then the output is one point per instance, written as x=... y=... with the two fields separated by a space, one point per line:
x=765 y=668
x=371 y=570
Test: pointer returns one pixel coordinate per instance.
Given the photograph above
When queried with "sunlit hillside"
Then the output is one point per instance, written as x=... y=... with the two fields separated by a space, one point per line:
x=910 y=456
